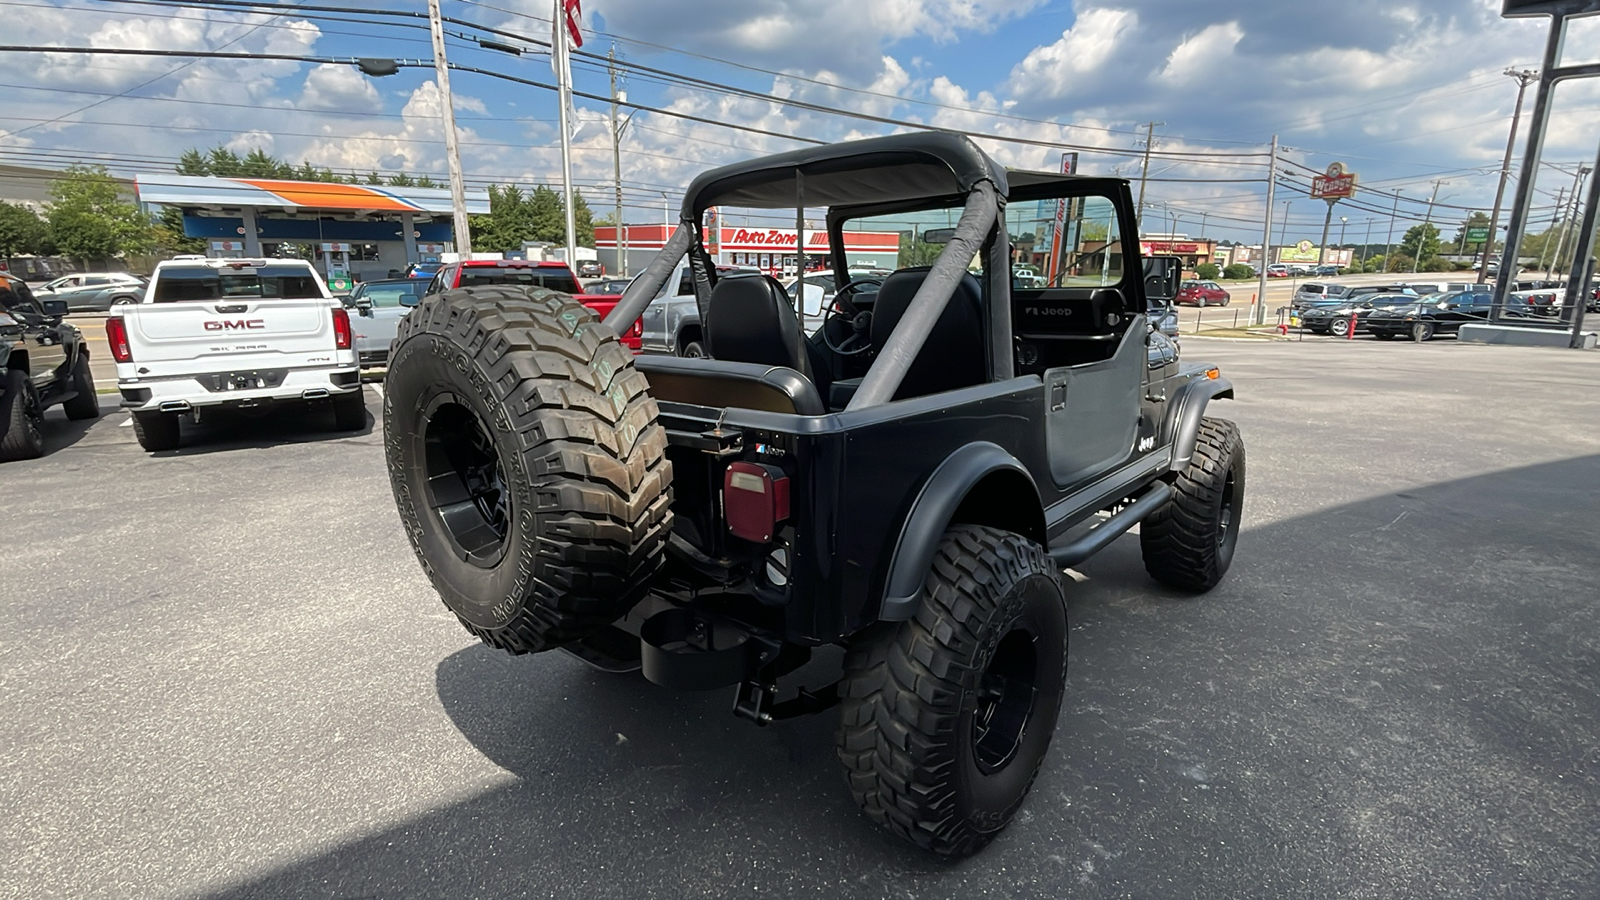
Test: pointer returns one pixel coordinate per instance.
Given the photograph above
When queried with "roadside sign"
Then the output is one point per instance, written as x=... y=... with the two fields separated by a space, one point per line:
x=1334 y=184
x=1477 y=235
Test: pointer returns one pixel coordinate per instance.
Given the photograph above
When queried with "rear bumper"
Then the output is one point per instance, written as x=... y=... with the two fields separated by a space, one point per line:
x=185 y=393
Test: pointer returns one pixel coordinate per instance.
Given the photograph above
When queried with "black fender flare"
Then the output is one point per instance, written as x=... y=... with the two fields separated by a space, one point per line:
x=931 y=512
x=1188 y=408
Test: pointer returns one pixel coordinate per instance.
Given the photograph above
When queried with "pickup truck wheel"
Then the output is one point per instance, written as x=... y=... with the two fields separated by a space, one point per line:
x=694 y=350
x=1421 y=331
x=349 y=411
x=86 y=405
x=1188 y=543
x=21 y=415
x=157 y=430
x=527 y=464
x=945 y=718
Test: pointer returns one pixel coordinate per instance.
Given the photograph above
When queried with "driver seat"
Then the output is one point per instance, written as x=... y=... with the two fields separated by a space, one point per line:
x=752 y=320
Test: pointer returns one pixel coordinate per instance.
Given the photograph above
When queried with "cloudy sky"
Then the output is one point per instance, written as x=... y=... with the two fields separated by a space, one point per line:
x=1404 y=94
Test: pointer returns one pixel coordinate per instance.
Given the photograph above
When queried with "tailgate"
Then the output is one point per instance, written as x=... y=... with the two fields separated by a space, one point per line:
x=188 y=338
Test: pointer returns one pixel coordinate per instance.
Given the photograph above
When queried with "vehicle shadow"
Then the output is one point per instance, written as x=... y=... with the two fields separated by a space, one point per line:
x=60 y=432
x=294 y=423
x=1389 y=698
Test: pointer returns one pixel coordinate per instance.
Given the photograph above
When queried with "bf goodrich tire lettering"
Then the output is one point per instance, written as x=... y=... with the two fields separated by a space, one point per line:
x=527 y=464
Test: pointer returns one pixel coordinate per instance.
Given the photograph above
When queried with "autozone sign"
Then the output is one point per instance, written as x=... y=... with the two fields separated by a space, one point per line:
x=1335 y=184
x=747 y=240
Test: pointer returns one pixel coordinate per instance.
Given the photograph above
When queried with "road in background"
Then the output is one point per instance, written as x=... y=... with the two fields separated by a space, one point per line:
x=225 y=675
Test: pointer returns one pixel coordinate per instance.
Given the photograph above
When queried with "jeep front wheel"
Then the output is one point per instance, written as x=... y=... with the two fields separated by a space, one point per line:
x=945 y=718
x=1188 y=543
x=527 y=464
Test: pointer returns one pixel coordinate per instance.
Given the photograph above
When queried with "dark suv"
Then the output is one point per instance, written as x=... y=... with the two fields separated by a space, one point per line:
x=44 y=362
x=906 y=482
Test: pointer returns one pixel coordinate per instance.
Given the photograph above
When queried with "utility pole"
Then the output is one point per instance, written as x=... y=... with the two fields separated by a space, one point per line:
x=1366 y=244
x=1566 y=218
x=1524 y=77
x=1427 y=222
x=1555 y=218
x=616 y=161
x=1283 y=229
x=1388 y=244
x=1258 y=314
x=561 y=59
x=1144 y=168
x=458 y=187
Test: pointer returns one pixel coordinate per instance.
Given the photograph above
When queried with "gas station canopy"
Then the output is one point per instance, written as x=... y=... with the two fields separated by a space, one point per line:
x=366 y=230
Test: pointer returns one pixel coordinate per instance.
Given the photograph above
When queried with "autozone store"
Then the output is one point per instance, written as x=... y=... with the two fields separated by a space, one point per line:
x=772 y=250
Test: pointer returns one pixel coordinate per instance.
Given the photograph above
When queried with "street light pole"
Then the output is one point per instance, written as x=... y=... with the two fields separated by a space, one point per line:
x=452 y=152
x=1366 y=243
x=1524 y=77
x=1258 y=312
x=1344 y=222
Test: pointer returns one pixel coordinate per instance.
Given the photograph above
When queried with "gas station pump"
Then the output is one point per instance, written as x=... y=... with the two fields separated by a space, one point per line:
x=336 y=266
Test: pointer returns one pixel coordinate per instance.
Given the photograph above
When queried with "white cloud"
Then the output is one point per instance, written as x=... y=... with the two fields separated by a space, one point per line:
x=1209 y=51
x=339 y=88
x=1055 y=70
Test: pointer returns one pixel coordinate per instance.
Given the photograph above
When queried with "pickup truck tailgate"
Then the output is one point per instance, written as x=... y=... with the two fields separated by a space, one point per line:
x=187 y=338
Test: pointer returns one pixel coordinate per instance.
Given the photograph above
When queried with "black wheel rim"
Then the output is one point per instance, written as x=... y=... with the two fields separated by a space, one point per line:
x=1007 y=693
x=465 y=481
x=1228 y=519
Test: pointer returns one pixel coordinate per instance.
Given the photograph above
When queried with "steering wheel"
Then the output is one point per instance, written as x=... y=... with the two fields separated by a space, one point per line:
x=859 y=322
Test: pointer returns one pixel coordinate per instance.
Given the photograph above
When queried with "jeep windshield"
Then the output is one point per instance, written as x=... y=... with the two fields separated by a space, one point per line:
x=200 y=283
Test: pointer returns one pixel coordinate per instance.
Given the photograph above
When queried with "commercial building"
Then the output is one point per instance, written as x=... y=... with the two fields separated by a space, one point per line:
x=771 y=250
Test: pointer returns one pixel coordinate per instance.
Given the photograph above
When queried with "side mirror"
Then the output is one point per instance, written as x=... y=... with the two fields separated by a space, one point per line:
x=1162 y=277
x=364 y=304
x=410 y=300
x=55 y=308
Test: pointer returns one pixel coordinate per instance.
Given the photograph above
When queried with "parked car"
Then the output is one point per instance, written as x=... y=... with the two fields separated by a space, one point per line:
x=671 y=323
x=1314 y=295
x=1202 y=293
x=1325 y=270
x=1433 y=315
x=379 y=307
x=590 y=268
x=1277 y=270
x=42 y=363
x=422 y=270
x=609 y=285
x=1299 y=270
x=93 y=291
x=235 y=334
x=521 y=272
x=1336 y=320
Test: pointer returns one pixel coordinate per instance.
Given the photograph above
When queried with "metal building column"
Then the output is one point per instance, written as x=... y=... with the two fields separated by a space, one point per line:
x=408 y=233
x=252 y=236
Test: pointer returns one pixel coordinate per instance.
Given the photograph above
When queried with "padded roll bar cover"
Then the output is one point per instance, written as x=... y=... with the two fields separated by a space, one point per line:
x=1187 y=410
x=649 y=283
x=930 y=515
x=720 y=383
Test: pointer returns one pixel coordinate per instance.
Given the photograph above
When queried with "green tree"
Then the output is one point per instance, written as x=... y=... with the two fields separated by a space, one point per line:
x=169 y=234
x=89 y=217
x=1427 y=235
x=424 y=181
x=401 y=179
x=582 y=221
x=1207 y=271
x=374 y=178
x=21 y=230
x=914 y=251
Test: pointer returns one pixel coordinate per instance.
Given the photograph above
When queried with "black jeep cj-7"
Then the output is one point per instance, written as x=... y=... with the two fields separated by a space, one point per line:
x=908 y=482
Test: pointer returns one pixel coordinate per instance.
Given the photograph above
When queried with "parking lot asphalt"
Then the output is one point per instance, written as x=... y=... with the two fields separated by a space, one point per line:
x=222 y=674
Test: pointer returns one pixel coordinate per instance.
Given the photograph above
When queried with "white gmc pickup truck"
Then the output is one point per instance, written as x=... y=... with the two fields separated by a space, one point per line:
x=237 y=333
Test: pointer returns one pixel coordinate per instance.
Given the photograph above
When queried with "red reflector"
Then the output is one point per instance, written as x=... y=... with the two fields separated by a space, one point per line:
x=117 y=337
x=755 y=498
x=341 y=329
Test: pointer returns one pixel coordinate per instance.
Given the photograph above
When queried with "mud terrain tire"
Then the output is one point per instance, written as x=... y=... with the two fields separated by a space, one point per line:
x=527 y=464
x=1188 y=543
x=944 y=719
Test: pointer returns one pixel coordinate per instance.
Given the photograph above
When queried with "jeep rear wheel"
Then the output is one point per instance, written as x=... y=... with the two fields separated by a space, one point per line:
x=527 y=464
x=20 y=417
x=1188 y=543
x=945 y=718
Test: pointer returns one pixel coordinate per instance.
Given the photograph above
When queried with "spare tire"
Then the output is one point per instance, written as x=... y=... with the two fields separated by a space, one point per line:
x=527 y=464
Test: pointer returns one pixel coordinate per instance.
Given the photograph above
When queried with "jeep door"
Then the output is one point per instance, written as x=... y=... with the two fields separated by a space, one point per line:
x=1086 y=336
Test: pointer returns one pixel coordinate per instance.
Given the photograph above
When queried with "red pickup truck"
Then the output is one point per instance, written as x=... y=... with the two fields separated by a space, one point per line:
x=553 y=275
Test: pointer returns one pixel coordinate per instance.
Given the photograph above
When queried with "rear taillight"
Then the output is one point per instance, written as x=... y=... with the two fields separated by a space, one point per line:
x=117 y=337
x=755 y=498
x=341 y=329
x=637 y=330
